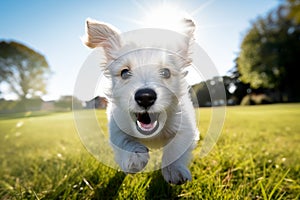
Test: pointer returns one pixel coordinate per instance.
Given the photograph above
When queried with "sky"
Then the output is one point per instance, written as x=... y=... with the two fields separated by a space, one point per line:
x=53 y=28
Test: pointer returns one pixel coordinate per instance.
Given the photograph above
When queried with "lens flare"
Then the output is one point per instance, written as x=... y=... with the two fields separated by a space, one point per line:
x=165 y=16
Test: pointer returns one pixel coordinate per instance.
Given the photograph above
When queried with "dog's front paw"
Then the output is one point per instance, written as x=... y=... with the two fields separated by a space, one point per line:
x=135 y=161
x=175 y=174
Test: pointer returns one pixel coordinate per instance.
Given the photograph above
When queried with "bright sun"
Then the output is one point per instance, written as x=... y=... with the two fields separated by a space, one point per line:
x=165 y=16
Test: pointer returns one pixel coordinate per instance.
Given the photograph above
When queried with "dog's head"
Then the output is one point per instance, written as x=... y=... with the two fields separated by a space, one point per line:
x=147 y=73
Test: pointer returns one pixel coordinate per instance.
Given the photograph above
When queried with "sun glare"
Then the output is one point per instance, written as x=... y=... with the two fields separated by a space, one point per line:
x=165 y=16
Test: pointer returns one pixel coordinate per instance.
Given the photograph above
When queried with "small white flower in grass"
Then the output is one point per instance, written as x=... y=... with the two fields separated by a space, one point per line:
x=19 y=124
x=283 y=159
x=59 y=155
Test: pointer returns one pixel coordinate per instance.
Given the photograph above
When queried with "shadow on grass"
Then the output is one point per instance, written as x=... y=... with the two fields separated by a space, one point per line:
x=160 y=189
x=112 y=188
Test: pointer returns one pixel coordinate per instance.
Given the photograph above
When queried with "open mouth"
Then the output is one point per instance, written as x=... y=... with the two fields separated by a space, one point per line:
x=147 y=123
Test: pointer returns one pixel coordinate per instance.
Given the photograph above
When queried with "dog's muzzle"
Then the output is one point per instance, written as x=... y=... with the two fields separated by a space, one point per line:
x=147 y=123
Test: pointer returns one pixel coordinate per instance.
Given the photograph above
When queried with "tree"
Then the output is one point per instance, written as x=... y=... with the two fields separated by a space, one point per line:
x=269 y=56
x=209 y=93
x=23 y=69
x=294 y=10
x=235 y=89
x=202 y=95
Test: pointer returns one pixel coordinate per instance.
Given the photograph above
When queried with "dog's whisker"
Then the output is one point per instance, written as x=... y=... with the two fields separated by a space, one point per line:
x=178 y=113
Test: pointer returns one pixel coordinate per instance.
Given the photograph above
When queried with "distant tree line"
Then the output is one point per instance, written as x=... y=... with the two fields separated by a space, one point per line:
x=270 y=52
x=64 y=103
x=267 y=67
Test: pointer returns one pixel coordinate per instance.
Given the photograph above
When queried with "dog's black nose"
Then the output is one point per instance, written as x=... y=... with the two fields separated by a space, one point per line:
x=145 y=97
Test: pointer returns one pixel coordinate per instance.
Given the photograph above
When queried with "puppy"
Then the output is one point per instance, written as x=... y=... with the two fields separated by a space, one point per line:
x=149 y=102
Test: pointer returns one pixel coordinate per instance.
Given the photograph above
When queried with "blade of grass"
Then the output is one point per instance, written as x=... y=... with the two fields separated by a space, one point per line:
x=263 y=191
x=278 y=184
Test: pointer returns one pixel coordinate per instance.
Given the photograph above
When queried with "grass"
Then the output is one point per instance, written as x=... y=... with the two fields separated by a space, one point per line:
x=256 y=157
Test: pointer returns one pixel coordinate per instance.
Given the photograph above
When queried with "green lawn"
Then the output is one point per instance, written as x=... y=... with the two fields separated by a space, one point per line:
x=256 y=157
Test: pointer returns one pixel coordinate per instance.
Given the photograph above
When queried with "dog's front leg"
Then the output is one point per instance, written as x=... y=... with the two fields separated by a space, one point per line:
x=131 y=155
x=176 y=156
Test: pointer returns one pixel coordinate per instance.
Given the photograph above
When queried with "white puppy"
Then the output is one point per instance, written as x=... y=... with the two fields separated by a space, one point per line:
x=149 y=102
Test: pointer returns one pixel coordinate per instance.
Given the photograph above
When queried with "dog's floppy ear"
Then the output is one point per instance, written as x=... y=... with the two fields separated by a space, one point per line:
x=100 y=34
x=188 y=30
x=189 y=27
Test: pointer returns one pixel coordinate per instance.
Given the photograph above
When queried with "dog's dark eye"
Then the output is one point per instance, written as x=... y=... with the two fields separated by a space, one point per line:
x=125 y=73
x=165 y=72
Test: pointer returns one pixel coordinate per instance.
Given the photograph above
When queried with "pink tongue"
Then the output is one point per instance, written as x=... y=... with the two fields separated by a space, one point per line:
x=146 y=126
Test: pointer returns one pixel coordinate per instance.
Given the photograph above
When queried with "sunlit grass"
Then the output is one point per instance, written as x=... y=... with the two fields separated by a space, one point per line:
x=256 y=157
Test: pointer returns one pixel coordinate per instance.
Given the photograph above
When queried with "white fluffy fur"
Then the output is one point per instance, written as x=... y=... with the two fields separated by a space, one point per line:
x=177 y=132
